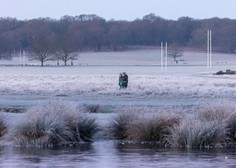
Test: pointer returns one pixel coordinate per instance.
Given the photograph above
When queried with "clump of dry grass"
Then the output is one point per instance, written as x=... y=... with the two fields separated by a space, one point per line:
x=87 y=127
x=230 y=126
x=121 y=123
x=219 y=112
x=154 y=127
x=143 y=126
x=197 y=134
x=52 y=125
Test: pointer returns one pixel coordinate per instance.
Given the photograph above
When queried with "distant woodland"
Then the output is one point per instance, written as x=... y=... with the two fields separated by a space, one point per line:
x=44 y=37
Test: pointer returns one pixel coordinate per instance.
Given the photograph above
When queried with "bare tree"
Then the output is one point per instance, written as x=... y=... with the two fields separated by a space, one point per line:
x=41 y=39
x=65 y=56
x=175 y=52
x=66 y=47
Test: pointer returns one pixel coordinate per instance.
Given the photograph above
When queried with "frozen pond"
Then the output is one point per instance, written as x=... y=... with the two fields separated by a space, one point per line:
x=106 y=154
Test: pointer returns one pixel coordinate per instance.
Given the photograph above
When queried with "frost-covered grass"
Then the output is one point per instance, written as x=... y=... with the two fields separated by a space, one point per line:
x=197 y=134
x=121 y=123
x=53 y=125
x=216 y=112
x=212 y=127
x=155 y=127
x=68 y=82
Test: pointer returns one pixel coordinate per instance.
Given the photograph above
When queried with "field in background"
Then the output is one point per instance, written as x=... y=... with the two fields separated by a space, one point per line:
x=134 y=57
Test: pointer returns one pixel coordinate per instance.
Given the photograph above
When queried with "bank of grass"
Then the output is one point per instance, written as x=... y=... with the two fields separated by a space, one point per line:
x=120 y=124
x=156 y=127
x=216 y=112
x=143 y=126
x=211 y=126
x=196 y=134
x=54 y=125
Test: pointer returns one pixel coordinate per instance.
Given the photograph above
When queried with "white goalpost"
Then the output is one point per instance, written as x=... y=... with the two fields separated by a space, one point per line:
x=20 y=58
x=164 y=55
x=209 y=49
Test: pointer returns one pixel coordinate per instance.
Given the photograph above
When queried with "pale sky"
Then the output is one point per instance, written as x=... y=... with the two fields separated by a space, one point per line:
x=118 y=9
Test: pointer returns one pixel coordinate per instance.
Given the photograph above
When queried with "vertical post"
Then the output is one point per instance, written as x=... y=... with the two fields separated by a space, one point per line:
x=23 y=57
x=166 y=57
x=210 y=50
x=161 y=56
x=20 y=57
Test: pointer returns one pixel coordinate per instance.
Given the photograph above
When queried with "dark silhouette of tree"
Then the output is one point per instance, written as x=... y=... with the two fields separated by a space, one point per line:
x=44 y=37
x=65 y=46
x=41 y=40
x=175 y=52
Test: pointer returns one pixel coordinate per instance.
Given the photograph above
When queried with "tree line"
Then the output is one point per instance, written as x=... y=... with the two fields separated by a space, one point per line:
x=46 y=39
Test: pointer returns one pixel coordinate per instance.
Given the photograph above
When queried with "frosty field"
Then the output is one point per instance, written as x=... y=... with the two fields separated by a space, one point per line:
x=93 y=81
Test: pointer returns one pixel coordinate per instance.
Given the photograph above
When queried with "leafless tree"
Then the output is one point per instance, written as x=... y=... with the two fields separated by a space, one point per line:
x=175 y=52
x=41 y=40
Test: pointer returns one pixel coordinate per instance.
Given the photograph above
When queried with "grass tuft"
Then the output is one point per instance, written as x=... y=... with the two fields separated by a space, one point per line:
x=87 y=128
x=120 y=124
x=218 y=113
x=231 y=130
x=197 y=134
x=54 y=125
x=152 y=128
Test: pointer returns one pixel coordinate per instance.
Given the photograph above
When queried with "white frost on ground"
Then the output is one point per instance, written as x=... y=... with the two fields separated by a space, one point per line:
x=96 y=73
x=72 y=83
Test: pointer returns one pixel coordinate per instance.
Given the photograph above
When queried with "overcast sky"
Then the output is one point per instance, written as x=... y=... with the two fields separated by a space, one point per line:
x=118 y=9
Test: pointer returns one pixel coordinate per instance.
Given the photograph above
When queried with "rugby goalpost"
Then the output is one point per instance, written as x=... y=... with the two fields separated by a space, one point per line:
x=209 y=49
x=164 y=55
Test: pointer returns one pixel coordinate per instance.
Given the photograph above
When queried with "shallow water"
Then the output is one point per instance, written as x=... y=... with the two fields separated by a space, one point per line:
x=106 y=154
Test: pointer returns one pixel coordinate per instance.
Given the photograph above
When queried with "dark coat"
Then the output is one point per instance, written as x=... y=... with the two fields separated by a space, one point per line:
x=126 y=80
x=121 y=82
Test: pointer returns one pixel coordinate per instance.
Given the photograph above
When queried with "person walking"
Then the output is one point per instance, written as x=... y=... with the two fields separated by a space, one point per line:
x=121 y=81
x=125 y=76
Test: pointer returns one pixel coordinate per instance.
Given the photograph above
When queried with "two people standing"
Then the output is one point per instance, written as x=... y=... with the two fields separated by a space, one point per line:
x=123 y=80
